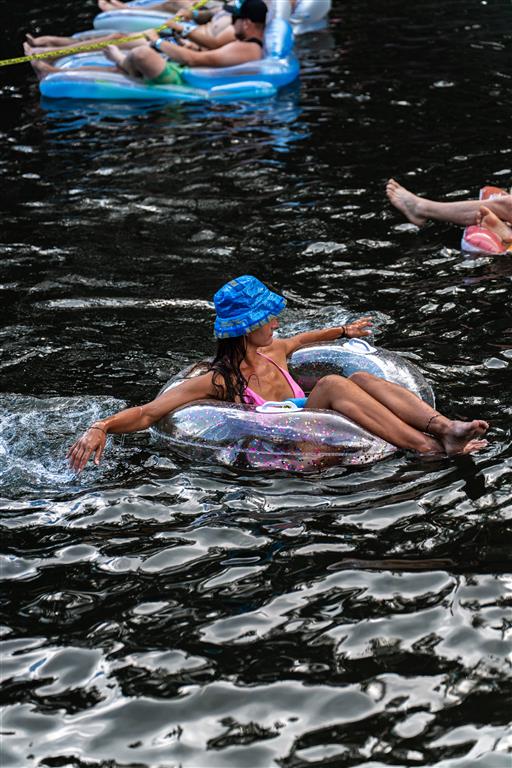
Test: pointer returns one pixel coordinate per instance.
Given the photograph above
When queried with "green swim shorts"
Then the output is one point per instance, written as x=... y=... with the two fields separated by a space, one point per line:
x=170 y=75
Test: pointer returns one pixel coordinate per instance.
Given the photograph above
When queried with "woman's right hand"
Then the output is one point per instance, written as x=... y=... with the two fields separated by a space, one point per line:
x=140 y=417
x=92 y=441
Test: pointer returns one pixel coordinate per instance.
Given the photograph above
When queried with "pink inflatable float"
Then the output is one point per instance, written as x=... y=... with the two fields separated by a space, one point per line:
x=476 y=239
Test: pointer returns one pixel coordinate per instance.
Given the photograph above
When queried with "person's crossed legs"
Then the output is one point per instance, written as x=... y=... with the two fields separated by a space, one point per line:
x=396 y=415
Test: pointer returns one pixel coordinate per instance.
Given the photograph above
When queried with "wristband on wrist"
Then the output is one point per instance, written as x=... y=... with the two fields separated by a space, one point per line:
x=156 y=45
x=343 y=332
x=100 y=429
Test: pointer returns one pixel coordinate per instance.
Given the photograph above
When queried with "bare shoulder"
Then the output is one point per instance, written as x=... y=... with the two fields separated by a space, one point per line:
x=202 y=383
x=196 y=386
x=278 y=350
x=243 y=49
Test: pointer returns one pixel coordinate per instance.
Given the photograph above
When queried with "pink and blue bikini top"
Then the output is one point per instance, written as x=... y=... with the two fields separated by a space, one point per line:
x=252 y=398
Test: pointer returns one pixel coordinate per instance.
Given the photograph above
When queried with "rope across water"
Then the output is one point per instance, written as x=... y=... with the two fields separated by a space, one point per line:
x=91 y=46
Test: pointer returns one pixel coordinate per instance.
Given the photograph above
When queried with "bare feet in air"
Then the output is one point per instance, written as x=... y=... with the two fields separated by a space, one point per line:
x=489 y=220
x=40 y=67
x=406 y=202
x=463 y=436
x=30 y=51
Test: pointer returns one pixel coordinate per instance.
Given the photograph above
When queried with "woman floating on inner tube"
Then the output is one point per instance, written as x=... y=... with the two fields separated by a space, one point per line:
x=250 y=367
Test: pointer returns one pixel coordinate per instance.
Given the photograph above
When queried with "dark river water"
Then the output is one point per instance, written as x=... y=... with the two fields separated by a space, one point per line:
x=162 y=613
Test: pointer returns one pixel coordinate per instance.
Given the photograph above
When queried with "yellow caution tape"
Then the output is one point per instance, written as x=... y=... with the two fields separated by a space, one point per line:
x=91 y=46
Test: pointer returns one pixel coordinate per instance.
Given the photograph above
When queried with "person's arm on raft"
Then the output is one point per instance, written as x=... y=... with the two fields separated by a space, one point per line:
x=229 y=55
x=199 y=36
x=361 y=327
x=134 y=419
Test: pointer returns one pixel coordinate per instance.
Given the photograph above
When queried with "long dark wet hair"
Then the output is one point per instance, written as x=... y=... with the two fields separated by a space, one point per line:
x=228 y=379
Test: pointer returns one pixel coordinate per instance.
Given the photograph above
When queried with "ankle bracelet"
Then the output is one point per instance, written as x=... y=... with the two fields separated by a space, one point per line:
x=436 y=416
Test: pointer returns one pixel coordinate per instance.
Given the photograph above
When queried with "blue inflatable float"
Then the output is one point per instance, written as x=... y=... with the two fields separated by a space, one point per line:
x=252 y=80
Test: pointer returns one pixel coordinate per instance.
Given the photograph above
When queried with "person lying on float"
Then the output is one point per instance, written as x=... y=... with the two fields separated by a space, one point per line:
x=250 y=366
x=214 y=29
x=217 y=31
x=495 y=215
x=181 y=6
x=158 y=64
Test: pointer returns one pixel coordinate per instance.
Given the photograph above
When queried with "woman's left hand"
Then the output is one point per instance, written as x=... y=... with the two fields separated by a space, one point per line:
x=361 y=327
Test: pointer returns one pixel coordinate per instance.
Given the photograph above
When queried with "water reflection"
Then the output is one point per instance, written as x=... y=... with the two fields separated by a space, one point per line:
x=163 y=612
x=272 y=119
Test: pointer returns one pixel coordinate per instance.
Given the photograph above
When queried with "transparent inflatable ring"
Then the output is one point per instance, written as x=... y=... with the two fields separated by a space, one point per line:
x=289 y=438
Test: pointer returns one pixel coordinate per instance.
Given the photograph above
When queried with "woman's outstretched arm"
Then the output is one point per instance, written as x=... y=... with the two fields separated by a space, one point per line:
x=134 y=419
x=357 y=329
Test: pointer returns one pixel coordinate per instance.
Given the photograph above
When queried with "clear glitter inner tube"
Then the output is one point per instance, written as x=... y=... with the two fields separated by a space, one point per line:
x=295 y=440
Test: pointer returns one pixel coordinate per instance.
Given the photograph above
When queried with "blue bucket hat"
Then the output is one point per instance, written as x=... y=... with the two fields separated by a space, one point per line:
x=243 y=305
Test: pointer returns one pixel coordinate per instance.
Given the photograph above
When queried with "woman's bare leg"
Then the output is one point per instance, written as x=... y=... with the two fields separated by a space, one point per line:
x=345 y=396
x=455 y=436
x=420 y=209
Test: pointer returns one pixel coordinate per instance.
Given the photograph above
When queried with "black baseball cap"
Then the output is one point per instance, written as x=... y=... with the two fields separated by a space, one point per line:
x=254 y=10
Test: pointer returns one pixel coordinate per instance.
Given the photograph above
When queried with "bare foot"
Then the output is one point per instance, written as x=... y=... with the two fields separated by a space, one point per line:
x=406 y=202
x=42 y=68
x=489 y=220
x=463 y=436
x=433 y=446
x=30 y=51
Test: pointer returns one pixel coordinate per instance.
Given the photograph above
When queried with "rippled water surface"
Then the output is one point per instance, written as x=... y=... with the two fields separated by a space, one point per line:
x=162 y=613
